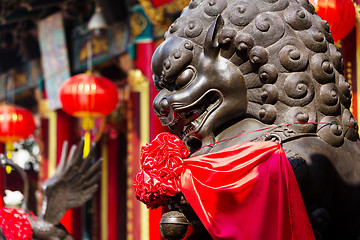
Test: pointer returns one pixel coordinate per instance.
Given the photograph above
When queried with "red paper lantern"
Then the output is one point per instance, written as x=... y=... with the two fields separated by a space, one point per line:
x=88 y=96
x=16 y=123
x=340 y=14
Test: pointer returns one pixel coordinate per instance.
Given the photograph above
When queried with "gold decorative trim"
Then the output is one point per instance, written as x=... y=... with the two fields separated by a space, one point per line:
x=160 y=16
x=52 y=118
x=138 y=24
x=45 y=112
x=136 y=80
x=44 y=108
x=104 y=191
x=139 y=83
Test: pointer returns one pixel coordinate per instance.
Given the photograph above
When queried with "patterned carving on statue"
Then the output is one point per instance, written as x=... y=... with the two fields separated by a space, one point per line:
x=234 y=71
x=270 y=42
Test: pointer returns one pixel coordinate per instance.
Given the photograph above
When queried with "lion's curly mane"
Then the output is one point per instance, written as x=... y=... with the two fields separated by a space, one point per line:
x=292 y=69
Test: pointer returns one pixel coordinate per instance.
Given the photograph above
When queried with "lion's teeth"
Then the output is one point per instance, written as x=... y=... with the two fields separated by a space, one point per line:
x=175 y=120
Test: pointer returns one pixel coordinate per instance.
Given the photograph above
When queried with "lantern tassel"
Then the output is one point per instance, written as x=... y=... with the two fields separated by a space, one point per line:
x=9 y=147
x=86 y=144
x=87 y=124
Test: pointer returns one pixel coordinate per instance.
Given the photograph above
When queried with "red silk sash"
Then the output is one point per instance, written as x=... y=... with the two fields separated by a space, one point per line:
x=246 y=192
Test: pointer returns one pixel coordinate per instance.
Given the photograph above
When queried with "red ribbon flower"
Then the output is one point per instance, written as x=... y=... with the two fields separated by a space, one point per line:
x=14 y=224
x=161 y=167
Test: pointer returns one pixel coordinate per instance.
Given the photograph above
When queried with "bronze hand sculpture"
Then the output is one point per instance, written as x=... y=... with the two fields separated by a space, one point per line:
x=230 y=68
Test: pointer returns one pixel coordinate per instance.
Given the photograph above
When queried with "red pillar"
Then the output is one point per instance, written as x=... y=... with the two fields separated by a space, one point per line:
x=133 y=224
x=144 y=52
x=113 y=197
x=66 y=132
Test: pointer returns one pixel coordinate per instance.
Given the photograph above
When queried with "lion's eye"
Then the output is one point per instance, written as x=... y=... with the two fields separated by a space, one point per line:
x=184 y=78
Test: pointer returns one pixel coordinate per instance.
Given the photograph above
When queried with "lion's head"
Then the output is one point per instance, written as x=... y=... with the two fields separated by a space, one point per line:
x=272 y=60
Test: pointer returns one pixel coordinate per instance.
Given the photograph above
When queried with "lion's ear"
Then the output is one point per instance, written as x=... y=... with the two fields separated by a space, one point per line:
x=211 y=45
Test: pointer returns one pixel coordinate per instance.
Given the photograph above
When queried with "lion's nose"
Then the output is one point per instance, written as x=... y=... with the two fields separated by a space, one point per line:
x=161 y=107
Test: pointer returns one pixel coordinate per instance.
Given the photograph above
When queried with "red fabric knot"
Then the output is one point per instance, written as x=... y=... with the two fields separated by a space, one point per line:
x=161 y=167
x=15 y=224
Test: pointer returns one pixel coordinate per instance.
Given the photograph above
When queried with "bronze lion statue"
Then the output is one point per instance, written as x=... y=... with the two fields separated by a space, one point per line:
x=232 y=71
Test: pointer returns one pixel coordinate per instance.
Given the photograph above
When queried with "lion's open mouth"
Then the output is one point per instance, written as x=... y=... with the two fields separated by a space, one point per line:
x=188 y=120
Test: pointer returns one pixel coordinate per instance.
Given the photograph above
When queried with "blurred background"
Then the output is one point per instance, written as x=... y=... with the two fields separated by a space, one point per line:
x=45 y=42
